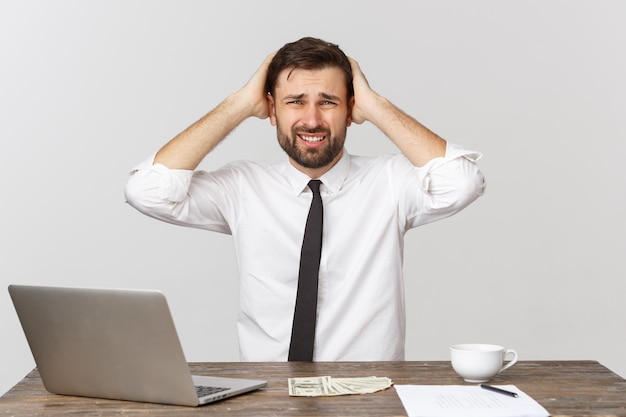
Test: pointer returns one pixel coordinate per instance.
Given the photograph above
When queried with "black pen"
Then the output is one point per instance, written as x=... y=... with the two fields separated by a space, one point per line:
x=499 y=390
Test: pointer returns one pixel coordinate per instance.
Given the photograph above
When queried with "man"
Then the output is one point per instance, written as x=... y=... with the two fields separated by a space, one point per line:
x=312 y=92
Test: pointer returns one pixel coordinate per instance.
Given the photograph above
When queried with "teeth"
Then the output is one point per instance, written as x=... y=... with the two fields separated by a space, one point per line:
x=312 y=138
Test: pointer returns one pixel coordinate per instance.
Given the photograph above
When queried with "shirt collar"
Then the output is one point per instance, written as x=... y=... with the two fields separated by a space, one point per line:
x=332 y=180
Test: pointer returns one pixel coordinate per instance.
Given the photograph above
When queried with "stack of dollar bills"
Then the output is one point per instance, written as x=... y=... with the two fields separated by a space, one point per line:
x=320 y=386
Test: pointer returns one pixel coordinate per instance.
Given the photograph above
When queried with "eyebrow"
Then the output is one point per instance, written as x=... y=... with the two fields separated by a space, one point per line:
x=329 y=97
x=325 y=96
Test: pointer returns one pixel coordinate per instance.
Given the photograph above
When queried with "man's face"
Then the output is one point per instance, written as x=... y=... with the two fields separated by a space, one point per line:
x=311 y=112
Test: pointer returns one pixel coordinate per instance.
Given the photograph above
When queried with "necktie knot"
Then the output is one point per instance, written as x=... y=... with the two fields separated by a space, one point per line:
x=314 y=185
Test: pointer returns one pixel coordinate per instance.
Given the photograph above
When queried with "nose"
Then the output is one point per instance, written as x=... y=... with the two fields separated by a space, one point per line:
x=311 y=116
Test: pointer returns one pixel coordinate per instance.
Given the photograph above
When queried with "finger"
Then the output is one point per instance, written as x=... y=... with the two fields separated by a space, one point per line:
x=354 y=65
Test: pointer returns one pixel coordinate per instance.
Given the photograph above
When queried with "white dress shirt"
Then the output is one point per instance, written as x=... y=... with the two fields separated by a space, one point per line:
x=369 y=204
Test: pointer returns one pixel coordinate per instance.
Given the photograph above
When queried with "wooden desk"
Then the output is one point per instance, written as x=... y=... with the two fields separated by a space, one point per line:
x=564 y=388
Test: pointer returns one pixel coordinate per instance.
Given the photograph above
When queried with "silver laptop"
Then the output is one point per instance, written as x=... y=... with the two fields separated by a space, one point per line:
x=116 y=344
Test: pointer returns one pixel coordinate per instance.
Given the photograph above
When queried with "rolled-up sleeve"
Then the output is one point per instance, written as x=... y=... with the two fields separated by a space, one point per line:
x=166 y=194
x=448 y=184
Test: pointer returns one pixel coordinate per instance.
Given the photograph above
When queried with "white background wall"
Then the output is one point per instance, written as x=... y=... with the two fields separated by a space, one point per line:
x=89 y=88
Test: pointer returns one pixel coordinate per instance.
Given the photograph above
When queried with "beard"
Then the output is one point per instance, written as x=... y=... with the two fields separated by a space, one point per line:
x=311 y=158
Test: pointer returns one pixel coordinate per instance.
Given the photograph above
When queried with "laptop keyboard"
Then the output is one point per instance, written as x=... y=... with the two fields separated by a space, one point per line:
x=203 y=390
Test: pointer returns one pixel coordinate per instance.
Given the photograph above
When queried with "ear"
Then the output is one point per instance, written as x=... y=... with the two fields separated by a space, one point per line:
x=271 y=108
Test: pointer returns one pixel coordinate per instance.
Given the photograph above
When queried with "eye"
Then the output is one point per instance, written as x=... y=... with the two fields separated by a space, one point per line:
x=328 y=103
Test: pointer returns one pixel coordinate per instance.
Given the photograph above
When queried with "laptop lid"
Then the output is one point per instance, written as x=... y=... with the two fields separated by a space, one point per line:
x=112 y=343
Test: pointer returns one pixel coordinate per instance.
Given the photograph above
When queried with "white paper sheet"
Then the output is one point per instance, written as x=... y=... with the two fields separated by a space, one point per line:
x=468 y=401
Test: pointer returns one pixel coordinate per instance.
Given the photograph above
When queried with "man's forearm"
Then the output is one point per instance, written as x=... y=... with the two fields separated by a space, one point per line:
x=190 y=146
x=188 y=149
x=416 y=141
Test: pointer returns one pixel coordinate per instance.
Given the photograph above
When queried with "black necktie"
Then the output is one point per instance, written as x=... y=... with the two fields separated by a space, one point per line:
x=304 y=317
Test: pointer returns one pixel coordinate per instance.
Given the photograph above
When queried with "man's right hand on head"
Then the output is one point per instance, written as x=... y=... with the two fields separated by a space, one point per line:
x=254 y=90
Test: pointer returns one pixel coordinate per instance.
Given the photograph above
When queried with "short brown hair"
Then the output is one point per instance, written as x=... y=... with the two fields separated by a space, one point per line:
x=309 y=54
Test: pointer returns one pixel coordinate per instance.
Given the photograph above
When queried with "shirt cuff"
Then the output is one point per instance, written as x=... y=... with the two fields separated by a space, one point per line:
x=172 y=184
x=453 y=152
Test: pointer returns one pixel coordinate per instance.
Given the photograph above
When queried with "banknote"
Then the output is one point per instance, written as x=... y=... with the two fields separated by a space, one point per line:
x=321 y=386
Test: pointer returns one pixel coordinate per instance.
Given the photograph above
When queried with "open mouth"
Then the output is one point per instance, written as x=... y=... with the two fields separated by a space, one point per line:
x=312 y=139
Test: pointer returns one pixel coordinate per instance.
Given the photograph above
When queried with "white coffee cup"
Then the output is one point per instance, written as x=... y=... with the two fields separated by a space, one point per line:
x=477 y=362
